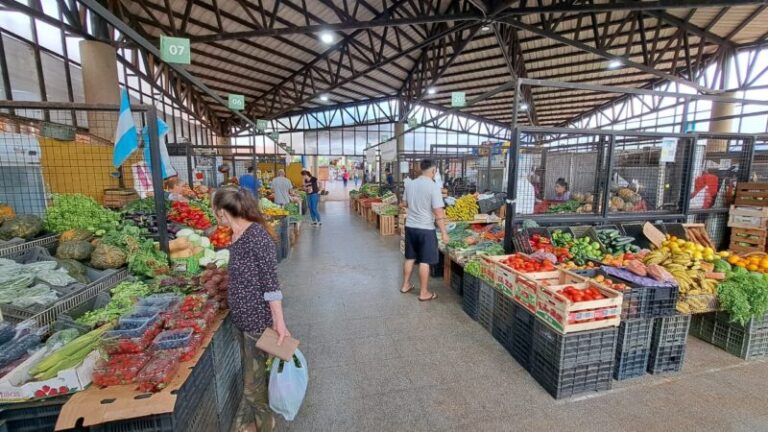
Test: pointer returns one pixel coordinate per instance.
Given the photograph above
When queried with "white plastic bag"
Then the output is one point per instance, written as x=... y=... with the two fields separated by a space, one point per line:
x=288 y=387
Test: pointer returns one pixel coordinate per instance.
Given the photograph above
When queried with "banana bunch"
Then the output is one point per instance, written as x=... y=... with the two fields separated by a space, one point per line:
x=465 y=209
x=656 y=257
x=700 y=304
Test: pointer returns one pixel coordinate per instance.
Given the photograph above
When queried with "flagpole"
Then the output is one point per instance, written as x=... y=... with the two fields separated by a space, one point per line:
x=157 y=178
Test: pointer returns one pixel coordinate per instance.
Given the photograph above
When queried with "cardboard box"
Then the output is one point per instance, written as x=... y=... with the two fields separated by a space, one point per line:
x=14 y=389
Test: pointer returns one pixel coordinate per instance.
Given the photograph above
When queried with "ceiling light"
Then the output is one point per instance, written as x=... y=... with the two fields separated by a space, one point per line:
x=327 y=38
x=485 y=28
x=431 y=90
x=324 y=98
x=523 y=107
x=615 y=64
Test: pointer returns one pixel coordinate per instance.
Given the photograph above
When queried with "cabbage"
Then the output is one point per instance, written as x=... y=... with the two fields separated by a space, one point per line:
x=195 y=239
x=205 y=242
x=186 y=232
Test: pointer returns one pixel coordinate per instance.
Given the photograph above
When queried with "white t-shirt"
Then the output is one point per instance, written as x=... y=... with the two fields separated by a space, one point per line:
x=423 y=195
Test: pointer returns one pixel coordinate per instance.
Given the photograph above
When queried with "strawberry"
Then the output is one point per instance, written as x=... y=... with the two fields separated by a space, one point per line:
x=63 y=390
x=39 y=394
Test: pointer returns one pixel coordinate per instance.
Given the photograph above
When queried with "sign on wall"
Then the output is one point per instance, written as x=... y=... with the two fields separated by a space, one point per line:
x=458 y=99
x=236 y=102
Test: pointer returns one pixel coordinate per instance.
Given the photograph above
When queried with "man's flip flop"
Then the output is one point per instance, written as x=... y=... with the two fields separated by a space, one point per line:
x=408 y=290
x=432 y=297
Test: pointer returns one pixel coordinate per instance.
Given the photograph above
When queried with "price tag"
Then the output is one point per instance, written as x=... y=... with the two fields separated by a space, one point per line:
x=261 y=124
x=458 y=99
x=175 y=50
x=236 y=102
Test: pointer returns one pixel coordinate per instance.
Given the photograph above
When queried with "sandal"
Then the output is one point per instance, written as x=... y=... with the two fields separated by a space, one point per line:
x=432 y=297
x=408 y=290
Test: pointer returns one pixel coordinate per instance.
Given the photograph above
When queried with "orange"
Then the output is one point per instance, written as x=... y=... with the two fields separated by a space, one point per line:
x=733 y=259
x=752 y=267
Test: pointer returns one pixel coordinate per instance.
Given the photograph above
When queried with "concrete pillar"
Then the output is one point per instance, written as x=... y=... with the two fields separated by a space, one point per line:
x=100 y=85
x=399 y=129
x=721 y=109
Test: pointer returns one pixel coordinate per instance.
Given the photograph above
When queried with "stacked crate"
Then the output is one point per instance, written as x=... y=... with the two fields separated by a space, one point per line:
x=457 y=277
x=748 y=341
x=633 y=348
x=470 y=295
x=571 y=364
x=485 y=305
x=503 y=320
x=748 y=218
x=668 y=342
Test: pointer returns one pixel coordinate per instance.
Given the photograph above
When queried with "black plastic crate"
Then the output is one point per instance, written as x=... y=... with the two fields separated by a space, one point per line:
x=227 y=408
x=636 y=230
x=666 y=359
x=661 y=301
x=631 y=364
x=735 y=340
x=470 y=296
x=38 y=416
x=469 y=283
x=634 y=335
x=754 y=324
x=571 y=381
x=503 y=319
x=703 y=326
x=671 y=330
x=436 y=270
x=155 y=423
x=486 y=300
x=574 y=349
x=522 y=336
x=457 y=276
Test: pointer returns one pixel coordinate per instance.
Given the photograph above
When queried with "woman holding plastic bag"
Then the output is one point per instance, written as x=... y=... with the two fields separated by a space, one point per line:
x=254 y=297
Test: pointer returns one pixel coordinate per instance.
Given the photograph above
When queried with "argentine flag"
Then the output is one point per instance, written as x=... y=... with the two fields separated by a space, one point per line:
x=126 y=140
x=166 y=169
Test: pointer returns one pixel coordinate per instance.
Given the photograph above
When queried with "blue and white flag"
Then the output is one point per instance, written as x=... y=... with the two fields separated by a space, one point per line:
x=126 y=140
x=166 y=169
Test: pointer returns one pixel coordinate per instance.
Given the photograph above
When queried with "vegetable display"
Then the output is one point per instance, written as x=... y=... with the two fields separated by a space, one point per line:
x=577 y=295
x=189 y=215
x=69 y=356
x=464 y=209
x=561 y=239
x=615 y=243
x=744 y=295
x=566 y=207
x=26 y=227
x=525 y=264
x=584 y=249
x=222 y=237
x=71 y=211
x=123 y=297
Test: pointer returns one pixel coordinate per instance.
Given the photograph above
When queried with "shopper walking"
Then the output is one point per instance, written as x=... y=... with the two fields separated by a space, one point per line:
x=313 y=196
x=281 y=187
x=250 y=183
x=345 y=177
x=255 y=299
x=424 y=201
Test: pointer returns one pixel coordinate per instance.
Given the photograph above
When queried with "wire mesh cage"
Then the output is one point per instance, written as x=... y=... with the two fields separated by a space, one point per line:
x=41 y=154
x=719 y=163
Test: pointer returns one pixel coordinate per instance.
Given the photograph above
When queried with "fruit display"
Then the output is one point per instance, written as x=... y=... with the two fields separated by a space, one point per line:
x=222 y=237
x=619 y=260
x=525 y=264
x=577 y=295
x=190 y=215
x=566 y=207
x=6 y=212
x=119 y=369
x=158 y=372
x=755 y=263
x=215 y=281
x=606 y=282
x=464 y=209
x=626 y=200
x=615 y=243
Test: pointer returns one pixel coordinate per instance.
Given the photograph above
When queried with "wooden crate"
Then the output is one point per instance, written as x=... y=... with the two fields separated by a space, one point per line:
x=567 y=317
x=697 y=233
x=752 y=194
x=745 y=240
x=748 y=217
x=118 y=198
x=371 y=216
x=387 y=225
x=528 y=285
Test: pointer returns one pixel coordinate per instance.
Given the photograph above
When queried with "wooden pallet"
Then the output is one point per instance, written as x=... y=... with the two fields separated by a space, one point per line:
x=752 y=194
x=748 y=217
x=371 y=215
x=745 y=240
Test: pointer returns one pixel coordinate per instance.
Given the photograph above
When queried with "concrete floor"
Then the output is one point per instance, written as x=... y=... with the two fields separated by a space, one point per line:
x=383 y=361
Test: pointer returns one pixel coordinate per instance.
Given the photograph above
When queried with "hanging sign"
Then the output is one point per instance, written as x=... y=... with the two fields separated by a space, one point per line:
x=274 y=136
x=262 y=124
x=458 y=99
x=388 y=151
x=404 y=167
x=412 y=123
x=236 y=102
x=175 y=50
x=668 y=150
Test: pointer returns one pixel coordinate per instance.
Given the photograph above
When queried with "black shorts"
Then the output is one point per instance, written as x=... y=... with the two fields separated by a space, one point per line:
x=421 y=245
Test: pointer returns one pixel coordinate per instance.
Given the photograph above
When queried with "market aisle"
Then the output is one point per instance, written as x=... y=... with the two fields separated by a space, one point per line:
x=382 y=361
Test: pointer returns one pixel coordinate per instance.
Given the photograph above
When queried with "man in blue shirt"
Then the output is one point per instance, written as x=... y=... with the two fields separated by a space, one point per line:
x=250 y=183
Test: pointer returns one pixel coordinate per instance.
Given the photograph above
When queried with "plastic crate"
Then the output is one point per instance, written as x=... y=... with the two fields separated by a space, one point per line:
x=703 y=326
x=457 y=275
x=486 y=299
x=436 y=270
x=37 y=416
x=574 y=349
x=660 y=302
x=631 y=364
x=754 y=324
x=571 y=381
x=522 y=336
x=227 y=408
x=470 y=297
x=735 y=340
x=671 y=330
x=666 y=359
x=634 y=335
x=634 y=301
x=67 y=319
x=503 y=319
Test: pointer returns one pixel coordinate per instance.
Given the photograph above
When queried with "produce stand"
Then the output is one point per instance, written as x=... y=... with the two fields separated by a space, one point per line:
x=47 y=241
x=199 y=397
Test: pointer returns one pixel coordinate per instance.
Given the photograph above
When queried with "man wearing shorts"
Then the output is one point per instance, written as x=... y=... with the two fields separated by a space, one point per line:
x=424 y=201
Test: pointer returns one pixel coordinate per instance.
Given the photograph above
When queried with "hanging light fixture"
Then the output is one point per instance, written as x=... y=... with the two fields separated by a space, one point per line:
x=327 y=38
